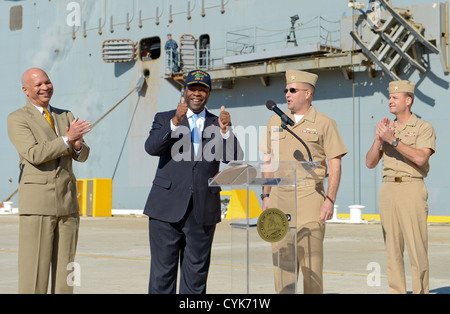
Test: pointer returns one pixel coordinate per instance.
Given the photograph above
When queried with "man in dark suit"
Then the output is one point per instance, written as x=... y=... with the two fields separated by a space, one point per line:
x=183 y=210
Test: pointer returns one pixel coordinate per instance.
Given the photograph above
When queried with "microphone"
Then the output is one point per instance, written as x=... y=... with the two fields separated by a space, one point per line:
x=272 y=106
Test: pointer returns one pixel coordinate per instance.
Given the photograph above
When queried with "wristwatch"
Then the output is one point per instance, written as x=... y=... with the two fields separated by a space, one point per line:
x=395 y=142
x=263 y=196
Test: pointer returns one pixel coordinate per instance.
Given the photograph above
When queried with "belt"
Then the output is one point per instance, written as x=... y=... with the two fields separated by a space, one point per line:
x=401 y=179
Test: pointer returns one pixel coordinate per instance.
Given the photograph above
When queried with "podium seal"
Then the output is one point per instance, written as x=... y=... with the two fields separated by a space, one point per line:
x=272 y=225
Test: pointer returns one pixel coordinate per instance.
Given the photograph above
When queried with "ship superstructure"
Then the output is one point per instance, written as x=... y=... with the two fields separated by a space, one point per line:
x=110 y=52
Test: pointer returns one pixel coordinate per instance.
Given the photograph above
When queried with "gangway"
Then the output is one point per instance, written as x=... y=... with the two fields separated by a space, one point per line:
x=392 y=42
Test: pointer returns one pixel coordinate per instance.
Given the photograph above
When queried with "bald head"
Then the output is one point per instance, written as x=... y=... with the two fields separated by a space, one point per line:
x=33 y=72
x=37 y=86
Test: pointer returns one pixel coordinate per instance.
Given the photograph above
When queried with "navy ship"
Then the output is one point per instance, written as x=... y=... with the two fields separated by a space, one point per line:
x=110 y=65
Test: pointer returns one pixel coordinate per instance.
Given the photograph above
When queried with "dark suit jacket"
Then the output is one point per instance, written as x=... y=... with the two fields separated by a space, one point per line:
x=176 y=180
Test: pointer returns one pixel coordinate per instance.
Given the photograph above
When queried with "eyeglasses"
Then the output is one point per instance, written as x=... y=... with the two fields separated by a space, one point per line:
x=293 y=90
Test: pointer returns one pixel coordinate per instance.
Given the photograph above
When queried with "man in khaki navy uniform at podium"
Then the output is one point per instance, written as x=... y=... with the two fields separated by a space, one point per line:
x=406 y=145
x=314 y=206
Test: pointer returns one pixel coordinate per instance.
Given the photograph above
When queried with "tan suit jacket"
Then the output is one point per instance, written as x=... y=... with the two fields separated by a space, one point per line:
x=47 y=182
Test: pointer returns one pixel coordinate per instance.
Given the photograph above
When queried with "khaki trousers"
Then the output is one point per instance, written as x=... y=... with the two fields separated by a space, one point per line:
x=46 y=243
x=404 y=212
x=309 y=236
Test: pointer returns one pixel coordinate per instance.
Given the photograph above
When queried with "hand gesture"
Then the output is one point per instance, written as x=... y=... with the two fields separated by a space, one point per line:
x=224 y=120
x=182 y=110
x=76 y=131
x=383 y=123
x=385 y=130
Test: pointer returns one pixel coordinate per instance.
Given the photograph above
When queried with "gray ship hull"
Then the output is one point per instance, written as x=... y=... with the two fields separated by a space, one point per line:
x=66 y=38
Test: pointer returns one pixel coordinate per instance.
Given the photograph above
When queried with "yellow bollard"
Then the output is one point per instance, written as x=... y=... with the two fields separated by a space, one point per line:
x=237 y=208
x=95 y=197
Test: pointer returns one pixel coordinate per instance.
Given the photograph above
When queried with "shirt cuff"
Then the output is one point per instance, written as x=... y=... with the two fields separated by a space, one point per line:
x=226 y=135
x=173 y=127
x=66 y=141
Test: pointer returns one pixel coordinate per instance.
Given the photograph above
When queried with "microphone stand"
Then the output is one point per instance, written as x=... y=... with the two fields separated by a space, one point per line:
x=284 y=126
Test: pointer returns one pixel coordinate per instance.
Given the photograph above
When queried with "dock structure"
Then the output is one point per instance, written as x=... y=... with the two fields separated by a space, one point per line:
x=114 y=258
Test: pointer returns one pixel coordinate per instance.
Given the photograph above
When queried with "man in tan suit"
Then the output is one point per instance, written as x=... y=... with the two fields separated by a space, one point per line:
x=47 y=139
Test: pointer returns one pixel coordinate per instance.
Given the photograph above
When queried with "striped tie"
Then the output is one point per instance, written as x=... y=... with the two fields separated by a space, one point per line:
x=49 y=119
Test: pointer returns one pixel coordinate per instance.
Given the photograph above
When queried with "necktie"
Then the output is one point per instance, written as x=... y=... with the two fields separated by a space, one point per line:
x=195 y=133
x=49 y=119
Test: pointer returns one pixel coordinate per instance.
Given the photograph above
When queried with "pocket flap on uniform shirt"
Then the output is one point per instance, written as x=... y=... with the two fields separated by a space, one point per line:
x=409 y=140
x=278 y=134
x=35 y=179
x=310 y=137
x=164 y=183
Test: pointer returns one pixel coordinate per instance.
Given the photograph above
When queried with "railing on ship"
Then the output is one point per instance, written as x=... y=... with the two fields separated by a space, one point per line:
x=203 y=60
x=318 y=31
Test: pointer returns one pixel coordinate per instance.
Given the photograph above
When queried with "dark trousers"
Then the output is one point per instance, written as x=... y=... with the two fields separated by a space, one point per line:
x=187 y=242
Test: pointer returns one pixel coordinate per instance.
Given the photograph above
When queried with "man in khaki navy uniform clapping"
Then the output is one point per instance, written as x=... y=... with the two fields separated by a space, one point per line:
x=406 y=145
